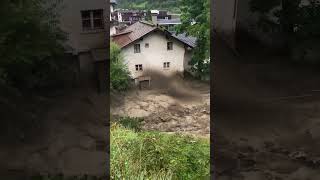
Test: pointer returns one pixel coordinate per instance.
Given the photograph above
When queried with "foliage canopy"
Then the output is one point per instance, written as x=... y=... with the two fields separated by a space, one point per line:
x=31 y=43
x=119 y=73
x=195 y=21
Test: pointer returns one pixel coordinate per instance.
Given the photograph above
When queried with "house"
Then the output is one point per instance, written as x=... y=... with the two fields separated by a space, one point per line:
x=164 y=19
x=169 y=24
x=147 y=47
x=129 y=16
x=86 y=28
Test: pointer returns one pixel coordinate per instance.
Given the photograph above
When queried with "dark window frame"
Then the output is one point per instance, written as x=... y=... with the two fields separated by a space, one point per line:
x=166 y=65
x=169 y=46
x=139 y=67
x=136 y=48
x=93 y=17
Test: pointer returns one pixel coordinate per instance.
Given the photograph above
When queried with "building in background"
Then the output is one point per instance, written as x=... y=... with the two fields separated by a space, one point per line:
x=165 y=19
x=129 y=17
x=169 y=24
x=113 y=17
x=148 y=48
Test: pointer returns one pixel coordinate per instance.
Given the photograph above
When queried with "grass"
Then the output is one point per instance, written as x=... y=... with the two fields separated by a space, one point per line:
x=155 y=155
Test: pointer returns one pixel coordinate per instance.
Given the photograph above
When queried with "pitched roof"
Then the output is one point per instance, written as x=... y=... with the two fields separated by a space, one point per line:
x=169 y=21
x=190 y=40
x=132 y=33
x=139 y=30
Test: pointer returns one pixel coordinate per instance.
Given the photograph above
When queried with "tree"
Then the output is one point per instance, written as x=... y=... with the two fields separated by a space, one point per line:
x=31 y=42
x=119 y=73
x=195 y=21
x=299 y=24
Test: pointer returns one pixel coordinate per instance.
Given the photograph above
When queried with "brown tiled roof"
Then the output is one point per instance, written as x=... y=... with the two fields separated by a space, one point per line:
x=132 y=33
x=137 y=31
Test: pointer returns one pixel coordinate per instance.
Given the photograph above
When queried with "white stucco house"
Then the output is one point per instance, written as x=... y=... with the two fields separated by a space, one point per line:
x=147 y=48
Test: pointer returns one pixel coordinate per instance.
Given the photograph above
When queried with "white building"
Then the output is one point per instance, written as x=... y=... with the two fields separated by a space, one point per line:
x=113 y=3
x=147 y=48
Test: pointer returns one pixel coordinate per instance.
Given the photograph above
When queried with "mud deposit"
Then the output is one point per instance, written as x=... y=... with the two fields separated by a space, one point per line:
x=178 y=105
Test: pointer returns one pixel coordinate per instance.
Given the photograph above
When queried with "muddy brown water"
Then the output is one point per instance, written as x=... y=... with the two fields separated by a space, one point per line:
x=266 y=119
x=172 y=104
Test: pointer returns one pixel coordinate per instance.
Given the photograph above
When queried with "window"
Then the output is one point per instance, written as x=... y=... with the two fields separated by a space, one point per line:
x=169 y=45
x=139 y=67
x=166 y=65
x=92 y=19
x=146 y=45
x=137 y=48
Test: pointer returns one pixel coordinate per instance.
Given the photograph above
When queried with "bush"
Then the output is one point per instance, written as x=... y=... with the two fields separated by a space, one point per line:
x=155 y=155
x=119 y=73
x=31 y=43
x=130 y=123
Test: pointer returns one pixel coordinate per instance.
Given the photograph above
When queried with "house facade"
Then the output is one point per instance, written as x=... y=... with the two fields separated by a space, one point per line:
x=148 y=48
x=85 y=23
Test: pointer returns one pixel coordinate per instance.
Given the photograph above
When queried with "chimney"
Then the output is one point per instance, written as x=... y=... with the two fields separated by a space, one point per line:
x=154 y=16
x=154 y=19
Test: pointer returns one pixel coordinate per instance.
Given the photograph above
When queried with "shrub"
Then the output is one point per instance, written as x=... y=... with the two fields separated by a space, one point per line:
x=130 y=122
x=155 y=155
x=119 y=73
x=31 y=44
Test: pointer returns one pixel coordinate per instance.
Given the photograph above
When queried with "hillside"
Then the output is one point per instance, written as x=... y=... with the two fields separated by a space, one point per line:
x=170 y=5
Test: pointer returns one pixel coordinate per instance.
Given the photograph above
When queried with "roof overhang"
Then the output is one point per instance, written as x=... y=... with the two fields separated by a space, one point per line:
x=162 y=31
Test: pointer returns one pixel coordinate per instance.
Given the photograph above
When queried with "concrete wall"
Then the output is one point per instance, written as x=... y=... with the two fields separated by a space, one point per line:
x=71 y=23
x=152 y=58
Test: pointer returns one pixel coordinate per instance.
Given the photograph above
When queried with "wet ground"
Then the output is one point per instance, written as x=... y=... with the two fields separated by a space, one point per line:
x=266 y=117
x=172 y=105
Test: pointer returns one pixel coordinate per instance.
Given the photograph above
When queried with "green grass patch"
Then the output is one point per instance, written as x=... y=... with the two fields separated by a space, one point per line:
x=154 y=155
x=133 y=123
